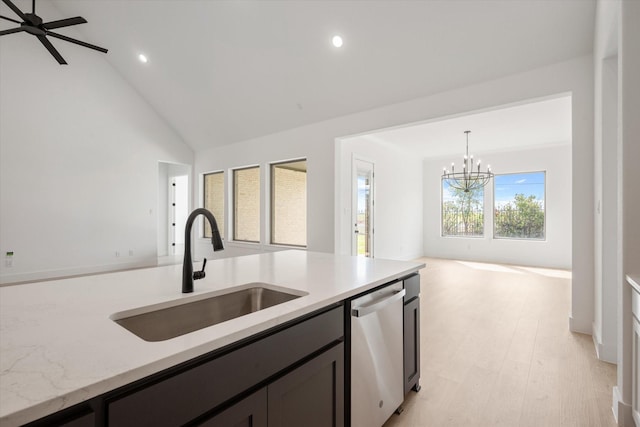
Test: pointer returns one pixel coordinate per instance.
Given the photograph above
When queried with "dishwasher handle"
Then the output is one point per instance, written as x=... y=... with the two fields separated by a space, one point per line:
x=361 y=311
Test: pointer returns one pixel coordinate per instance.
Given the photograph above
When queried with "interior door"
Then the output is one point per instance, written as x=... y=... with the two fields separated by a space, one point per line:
x=178 y=212
x=362 y=208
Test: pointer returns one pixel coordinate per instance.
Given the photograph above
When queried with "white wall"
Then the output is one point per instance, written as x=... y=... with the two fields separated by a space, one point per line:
x=398 y=197
x=294 y=144
x=317 y=143
x=617 y=151
x=629 y=134
x=79 y=152
x=553 y=252
x=606 y=185
x=96 y=143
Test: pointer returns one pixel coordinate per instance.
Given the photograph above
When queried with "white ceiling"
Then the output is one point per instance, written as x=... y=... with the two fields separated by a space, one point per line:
x=536 y=124
x=222 y=71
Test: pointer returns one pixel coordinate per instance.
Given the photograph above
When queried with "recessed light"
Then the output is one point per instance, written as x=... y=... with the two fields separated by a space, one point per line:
x=337 y=41
x=143 y=58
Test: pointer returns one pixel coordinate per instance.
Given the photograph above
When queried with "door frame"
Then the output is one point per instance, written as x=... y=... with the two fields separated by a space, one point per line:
x=164 y=229
x=354 y=204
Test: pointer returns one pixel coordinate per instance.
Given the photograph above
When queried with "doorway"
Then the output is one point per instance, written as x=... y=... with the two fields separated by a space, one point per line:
x=174 y=189
x=178 y=211
x=362 y=212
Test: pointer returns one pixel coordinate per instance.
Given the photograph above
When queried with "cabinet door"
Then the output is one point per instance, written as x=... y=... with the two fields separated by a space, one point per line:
x=249 y=412
x=311 y=395
x=412 y=345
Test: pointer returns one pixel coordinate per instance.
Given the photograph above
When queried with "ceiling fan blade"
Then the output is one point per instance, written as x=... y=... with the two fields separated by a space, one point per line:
x=11 y=31
x=9 y=19
x=52 y=49
x=64 y=23
x=16 y=10
x=70 y=40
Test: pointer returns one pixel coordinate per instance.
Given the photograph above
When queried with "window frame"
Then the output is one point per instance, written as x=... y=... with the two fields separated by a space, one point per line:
x=234 y=228
x=544 y=201
x=459 y=236
x=271 y=199
x=221 y=224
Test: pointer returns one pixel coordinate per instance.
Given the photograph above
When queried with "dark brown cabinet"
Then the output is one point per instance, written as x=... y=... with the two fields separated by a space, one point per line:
x=311 y=395
x=191 y=393
x=249 y=412
x=412 y=333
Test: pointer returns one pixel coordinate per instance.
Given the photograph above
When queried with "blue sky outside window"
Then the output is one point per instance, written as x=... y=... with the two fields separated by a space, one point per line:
x=507 y=186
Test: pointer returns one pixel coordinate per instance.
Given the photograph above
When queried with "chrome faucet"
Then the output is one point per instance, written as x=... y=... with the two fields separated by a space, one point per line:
x=188 y=276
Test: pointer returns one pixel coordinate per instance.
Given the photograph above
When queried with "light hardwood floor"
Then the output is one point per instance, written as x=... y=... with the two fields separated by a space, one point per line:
x=497 y=351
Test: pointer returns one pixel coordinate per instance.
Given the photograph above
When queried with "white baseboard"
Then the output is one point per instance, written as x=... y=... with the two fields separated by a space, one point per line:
x=17 y=278
x=622 y=411
x=412 y=257
x=606 y=353
x=580 y=326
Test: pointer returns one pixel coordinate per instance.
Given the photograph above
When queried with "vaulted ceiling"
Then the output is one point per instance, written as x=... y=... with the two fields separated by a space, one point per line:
x=222 y=71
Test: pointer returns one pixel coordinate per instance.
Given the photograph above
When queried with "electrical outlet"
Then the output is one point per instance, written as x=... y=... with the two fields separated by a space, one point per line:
x=8 y=259
x=130 y=252
x=117 y=254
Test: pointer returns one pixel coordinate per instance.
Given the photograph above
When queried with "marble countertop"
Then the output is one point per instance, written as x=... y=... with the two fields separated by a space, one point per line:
x=59 y=346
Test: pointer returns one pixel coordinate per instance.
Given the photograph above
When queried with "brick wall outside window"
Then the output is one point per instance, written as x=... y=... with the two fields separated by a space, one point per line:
x=214 y=200
x=246 y=204
x=289 y=205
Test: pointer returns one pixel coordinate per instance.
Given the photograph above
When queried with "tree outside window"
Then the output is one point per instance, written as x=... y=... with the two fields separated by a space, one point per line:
x=519 y=206
x=462 y=212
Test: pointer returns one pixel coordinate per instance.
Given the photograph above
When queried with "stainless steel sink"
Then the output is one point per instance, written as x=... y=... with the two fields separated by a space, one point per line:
x=162 y=323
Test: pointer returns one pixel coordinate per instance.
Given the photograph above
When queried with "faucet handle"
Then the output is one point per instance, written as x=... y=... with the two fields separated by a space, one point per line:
x=200 y=274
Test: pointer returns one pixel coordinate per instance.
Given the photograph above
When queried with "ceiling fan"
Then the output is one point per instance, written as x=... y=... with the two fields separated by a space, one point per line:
x=32 y=24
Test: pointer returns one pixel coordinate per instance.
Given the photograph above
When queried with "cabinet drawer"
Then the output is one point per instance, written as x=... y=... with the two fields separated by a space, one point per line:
x=178 y=399
x=412 y=286
x=79 y=416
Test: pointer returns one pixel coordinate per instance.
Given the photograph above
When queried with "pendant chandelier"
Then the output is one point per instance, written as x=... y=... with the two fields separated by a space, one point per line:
x=471 y=178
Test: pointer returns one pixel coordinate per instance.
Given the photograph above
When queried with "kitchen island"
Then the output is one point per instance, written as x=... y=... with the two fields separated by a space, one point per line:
x=59 y=345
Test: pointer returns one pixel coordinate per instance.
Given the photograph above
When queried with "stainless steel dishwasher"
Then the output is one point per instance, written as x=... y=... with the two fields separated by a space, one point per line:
x=376 y=356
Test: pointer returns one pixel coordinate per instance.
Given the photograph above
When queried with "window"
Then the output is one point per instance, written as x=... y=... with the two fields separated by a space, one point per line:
x=214 y=200
x=462 y=213
x=519 y=206
x=246 y=204
x=289 y=203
